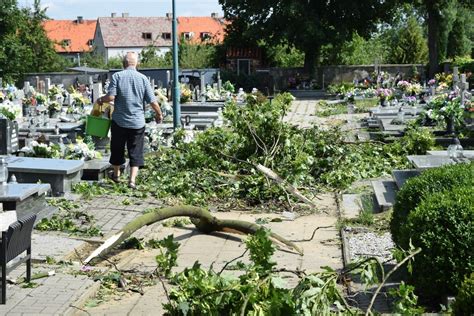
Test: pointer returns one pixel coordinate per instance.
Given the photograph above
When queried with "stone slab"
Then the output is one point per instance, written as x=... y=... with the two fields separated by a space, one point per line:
x=18 y=192
x=43 y=165
x=351 y=205
x=401 y=176
x=385 y=193
x=427 y=161
x=466 y=153
x=95 y=170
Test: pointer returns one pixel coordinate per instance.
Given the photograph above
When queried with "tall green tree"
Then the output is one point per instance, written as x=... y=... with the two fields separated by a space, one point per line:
x=440 y=16
x=459 y=41
x=306 y=25
x=409 y=45
x=24 y=46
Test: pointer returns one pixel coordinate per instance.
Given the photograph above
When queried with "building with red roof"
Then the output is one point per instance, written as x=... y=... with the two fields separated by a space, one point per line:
x=71 y=37
x=199 y=29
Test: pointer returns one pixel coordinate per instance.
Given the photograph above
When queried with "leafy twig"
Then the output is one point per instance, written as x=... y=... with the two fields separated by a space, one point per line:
x=229 y=262
x=314 y=233
x=395 y=268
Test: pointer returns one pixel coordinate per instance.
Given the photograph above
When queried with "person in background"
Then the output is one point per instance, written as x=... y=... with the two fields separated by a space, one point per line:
x=130 y=91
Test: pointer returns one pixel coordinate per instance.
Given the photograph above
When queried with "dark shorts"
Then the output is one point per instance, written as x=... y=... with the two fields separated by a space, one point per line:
x=133 y=138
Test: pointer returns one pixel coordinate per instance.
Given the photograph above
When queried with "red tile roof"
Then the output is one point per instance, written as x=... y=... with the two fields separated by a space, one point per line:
x=198 y=25
x=128 y=31
x=79 y=34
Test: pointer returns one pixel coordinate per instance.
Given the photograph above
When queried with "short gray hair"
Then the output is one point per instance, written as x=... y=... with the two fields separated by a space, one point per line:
x=130 y=59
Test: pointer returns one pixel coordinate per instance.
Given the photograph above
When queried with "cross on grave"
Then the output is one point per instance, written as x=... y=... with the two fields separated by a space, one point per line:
x=26 y=89
x=455 y=76
x=464 y=87
x=41 y=87
x=37 y=82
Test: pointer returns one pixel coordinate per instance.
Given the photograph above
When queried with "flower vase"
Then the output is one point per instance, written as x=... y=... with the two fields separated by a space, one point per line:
x=53 y=114
x=449 y=125
x=383 y=102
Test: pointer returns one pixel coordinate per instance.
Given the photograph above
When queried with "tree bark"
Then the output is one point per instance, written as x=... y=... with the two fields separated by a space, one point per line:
x=433 y=32
x=201 y=218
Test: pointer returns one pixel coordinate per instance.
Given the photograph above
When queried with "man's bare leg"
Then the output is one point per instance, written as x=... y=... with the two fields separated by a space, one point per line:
x=116 y=171
x=133 y=174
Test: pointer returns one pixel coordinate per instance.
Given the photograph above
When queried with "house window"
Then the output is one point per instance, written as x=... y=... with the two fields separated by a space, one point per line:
x=146 y=36
x=66 y=42
x=166 y=36
x=243 y=66
x=187 y=35
x=205 y=36
x=90 y=42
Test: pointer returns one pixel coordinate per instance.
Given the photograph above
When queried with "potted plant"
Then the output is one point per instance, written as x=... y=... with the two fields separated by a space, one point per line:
x=384 y=94
x=54 y=108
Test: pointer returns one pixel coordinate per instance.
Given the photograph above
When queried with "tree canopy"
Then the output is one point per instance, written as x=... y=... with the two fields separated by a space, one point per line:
x=306 y=25
x=24 y=46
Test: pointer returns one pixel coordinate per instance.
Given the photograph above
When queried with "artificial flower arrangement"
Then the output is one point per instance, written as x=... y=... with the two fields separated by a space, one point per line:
x=186 y=93
x=432 y=82
x=81 y=150
x=2 y=97
x=446 y=106
x=384 y=93
x=41 y=150
x=41 y=98
x=9 y=110
x=409 y=88
x=54 y=106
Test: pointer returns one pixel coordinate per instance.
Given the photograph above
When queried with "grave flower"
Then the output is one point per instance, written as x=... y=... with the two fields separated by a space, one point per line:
x=186 y=94
x=383 y=93
x=9 y=110
x=403 y=85
x=432 y=82
x=40 y=98
x=41 y=150
x=2 y=97
x=81 y=150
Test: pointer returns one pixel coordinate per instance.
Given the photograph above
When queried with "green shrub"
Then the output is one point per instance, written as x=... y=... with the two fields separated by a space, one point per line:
x=418 y=188
x=464 y=303
x=443 y=227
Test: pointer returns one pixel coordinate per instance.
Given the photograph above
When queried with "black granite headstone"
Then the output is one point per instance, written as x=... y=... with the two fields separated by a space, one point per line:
x=8 y=137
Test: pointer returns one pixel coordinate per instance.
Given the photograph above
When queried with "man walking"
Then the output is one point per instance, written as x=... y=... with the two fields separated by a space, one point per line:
x=130 y=91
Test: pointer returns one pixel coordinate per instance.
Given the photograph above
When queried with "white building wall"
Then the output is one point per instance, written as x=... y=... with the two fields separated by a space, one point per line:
x=121 y=51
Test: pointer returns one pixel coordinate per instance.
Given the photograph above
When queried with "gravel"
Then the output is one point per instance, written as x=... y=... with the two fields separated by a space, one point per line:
x=369 y=244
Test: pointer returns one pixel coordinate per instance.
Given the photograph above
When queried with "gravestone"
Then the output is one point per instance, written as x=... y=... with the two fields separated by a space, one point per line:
x=8 y=137
x=426 y=162
x=385 y=193
x=203 y=88
x=401 y=176
x=96 y=91
x=26 y=198
x=59 y=173
x=47 y=86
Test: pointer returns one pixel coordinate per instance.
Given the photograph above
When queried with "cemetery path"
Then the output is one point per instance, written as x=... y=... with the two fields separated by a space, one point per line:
x=218 y=248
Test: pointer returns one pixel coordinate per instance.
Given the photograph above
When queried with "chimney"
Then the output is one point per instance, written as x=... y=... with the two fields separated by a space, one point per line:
x=214 y=15
x=80 y=20
x=169 y=15
x=113 y=15
x=125 y=15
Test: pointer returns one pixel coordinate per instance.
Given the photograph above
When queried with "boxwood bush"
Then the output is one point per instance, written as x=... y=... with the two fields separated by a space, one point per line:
x=418 y=188
x=443 y=227
x=464 y=303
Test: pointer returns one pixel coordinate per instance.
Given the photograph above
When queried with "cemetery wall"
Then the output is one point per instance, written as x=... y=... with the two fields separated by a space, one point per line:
x=67 y=79
x=326 y=75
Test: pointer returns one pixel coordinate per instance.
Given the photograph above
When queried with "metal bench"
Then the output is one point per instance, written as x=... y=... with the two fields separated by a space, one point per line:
x=15 y=241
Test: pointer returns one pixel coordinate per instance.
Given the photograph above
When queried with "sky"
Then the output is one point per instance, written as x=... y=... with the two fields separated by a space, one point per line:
x=92 y=9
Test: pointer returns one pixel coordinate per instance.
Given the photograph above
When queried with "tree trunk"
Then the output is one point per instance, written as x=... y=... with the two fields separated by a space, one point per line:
x=433 y=32
x=311 y=60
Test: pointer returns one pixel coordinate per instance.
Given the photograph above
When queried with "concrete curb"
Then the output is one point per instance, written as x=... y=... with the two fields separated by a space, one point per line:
x=76 y=307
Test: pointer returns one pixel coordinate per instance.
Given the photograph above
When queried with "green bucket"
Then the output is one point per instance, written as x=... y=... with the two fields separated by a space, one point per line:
x=97 y=126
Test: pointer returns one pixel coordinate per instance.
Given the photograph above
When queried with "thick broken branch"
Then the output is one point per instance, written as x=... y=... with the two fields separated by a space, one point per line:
x=202 y=219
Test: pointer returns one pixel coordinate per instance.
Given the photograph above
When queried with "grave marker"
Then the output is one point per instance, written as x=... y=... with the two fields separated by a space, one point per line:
x=47 y=86
x=96 y=91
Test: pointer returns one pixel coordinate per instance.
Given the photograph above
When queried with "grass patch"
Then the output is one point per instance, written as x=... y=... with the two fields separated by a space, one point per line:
x=324 y=109
x=363 y=105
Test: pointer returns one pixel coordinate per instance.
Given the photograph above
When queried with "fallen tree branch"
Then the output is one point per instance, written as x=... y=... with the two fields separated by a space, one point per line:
x=201 y=218
x=314 y=233
x=286 y=186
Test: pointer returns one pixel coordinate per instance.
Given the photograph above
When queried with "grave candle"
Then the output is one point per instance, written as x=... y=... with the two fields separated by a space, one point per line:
x=3 y=171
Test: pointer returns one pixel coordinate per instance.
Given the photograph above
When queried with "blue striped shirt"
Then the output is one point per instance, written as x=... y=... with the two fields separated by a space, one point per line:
x=132 y=91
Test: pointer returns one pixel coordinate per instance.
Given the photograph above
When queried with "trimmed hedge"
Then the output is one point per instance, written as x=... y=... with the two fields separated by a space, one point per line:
x=417 y=188
x=443 y=227
x=464 y=303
